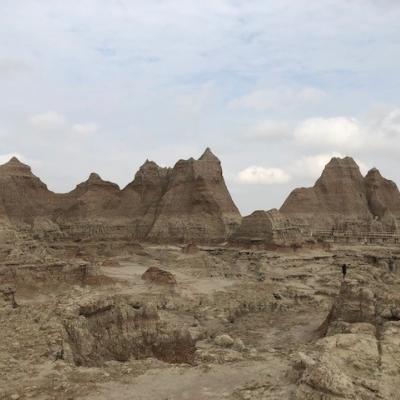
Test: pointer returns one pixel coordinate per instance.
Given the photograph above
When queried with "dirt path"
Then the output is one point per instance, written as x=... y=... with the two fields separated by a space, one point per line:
x=185 y=383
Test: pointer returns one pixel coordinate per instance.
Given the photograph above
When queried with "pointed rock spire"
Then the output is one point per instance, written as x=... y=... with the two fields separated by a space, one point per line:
x=14 y=167
x=94 y=177
x=208 y=155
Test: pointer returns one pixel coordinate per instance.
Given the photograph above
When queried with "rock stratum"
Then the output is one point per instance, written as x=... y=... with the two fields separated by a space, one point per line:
x=343 y=205
x=190 y=203
x=345 y=200
x=187 y=203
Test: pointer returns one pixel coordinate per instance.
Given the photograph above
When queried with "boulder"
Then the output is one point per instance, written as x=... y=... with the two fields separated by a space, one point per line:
x=159 y=276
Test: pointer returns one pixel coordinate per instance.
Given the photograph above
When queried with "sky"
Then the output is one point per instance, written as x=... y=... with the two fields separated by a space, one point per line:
x=274 y=87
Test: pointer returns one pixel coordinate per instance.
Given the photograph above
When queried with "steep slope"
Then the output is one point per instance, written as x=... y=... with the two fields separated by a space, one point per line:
x=140 y=198
x=268 y=228
x=94 y=198
x=23 y=196
x=342 y=199
x=188 y=202
x=382 y=194
x=339 y=190
x=196 y=205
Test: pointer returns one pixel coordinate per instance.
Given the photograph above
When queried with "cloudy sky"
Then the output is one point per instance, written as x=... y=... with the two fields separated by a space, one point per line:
x=274 y=87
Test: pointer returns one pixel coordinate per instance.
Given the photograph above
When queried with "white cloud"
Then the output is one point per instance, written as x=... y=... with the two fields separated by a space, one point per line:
x=87 y=129
x=339 y=132
x=261 y=175
x=386 y=123
x=53 y=122
x=48 y=120
x=268 y=129
x=266 y=99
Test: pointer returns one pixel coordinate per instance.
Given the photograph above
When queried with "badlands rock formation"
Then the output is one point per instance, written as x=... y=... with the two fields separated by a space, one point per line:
x=339 y=190
x=189 y=202
x=117 y=328
x=343 y=199
x=196 y=203
x=92 y=308
x=23 y=196
x=268 y=227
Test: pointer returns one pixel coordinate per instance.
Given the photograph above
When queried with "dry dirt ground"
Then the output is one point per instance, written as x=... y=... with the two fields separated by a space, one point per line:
x=250 y=312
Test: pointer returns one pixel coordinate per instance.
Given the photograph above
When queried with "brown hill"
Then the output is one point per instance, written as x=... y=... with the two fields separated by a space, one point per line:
x=269 y=228
x=141 y=197
x=23 y=196
x=342 y=198
x=339 y=190
x=196 y=205
x=94 y=198
x=189 y=202
x=382 y=194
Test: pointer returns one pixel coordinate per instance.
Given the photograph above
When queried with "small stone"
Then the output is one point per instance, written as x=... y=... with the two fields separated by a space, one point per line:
x=238 y=345
x=224 y=341
x=15 y=396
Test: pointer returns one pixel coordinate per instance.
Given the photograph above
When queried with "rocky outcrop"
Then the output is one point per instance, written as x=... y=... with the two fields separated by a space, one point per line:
x=119 y=328
x=159 y=276
x=342 y=199
x=269 y=228
x=196 y=205
x=189 y=202
x=339 y=190
x=140 y=198
x=23 y=196
x=94 y=198
x=382 y=194
x=358 y=354
x=354 y=304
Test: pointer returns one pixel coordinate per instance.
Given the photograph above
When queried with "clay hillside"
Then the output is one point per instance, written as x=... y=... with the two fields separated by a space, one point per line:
x=342 y=202
x=342 y=196
x=189 y=202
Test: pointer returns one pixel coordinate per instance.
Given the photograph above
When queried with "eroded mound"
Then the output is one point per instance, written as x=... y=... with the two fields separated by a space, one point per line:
x=118 y=328
x=159 y=276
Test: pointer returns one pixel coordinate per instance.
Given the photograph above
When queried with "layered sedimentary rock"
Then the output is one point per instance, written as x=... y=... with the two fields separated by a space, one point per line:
x=340 y=189
x=196 y=203
x=383 y=196
x=268 y=227
x=360 y=339
x=118 y=328
x=189 y=202
x=23 y=196
x=94 y=198
x=342 y=199
x=140 y=198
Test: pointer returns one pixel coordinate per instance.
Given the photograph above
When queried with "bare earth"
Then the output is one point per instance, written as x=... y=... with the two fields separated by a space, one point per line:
x=252 y=316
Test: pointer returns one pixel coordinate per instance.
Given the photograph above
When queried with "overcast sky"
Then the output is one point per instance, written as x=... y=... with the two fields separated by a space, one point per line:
x=274 y=87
